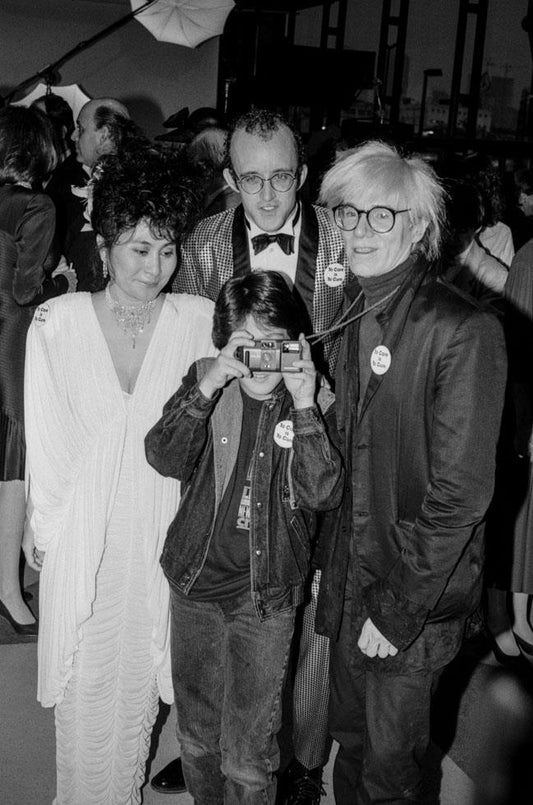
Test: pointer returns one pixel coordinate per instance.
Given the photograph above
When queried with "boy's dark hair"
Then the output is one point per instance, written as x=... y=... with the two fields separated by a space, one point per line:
x=264 y=295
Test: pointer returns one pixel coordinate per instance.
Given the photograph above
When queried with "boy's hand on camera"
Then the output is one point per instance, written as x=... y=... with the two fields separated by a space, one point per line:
x=302 y=385
x=226 y=367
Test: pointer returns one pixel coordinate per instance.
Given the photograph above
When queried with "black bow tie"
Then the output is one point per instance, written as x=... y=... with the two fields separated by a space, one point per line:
x=286 y=242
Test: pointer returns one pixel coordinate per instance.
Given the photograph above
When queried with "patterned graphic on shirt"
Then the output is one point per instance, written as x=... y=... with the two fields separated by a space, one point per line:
x=243 y=514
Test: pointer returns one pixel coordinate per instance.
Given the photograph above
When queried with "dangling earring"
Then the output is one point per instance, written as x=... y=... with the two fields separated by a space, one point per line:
x=105 y=269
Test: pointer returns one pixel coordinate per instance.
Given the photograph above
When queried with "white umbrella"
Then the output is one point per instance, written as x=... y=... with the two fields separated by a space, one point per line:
x=181 y=22
x=184 y=22
x=72 y=93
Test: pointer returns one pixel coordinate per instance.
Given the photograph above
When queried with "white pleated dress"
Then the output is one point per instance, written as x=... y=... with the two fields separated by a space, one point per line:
x=101 y=514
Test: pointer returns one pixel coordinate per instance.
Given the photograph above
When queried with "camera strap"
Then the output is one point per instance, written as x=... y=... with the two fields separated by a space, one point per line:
x=341 y=322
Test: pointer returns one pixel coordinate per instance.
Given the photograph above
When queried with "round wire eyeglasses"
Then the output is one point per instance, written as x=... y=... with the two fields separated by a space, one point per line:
x=252 y=183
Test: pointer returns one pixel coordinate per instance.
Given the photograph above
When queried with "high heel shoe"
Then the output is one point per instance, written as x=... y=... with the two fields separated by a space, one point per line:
x=507 y=660
x=526 y=648
x=20 y=628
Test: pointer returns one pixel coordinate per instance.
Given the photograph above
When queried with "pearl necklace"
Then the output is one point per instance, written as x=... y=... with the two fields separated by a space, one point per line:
x=132 y=319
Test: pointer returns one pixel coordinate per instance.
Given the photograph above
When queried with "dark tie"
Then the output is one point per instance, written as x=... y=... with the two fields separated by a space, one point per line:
x=286 y=242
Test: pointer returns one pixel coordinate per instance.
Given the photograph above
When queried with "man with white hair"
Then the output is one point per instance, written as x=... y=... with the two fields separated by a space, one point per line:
x=420 y=382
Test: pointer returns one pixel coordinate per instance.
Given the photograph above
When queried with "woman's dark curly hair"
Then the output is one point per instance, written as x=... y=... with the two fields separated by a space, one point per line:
x=27 y=151
x=144 y=183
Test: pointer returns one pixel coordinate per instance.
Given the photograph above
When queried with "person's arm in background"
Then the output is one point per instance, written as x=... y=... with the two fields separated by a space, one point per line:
x=32 y=280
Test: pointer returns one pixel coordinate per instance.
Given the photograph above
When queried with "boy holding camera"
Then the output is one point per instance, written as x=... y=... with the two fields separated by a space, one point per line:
x=252 y=451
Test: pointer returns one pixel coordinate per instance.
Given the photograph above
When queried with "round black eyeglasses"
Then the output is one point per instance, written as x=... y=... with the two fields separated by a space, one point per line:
x=252 y=183
x=380 y=219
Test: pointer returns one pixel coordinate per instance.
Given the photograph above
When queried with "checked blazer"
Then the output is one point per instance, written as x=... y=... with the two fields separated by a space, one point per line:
x=217 y=249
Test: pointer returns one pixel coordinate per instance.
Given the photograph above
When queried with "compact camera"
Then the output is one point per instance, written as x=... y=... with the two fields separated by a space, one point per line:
x=270 y=355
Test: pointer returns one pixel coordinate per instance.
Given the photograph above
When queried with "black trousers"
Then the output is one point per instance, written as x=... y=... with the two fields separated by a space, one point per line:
x=381 y=721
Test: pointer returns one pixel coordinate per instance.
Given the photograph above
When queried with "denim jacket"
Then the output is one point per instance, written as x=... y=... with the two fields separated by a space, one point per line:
x=197 y=441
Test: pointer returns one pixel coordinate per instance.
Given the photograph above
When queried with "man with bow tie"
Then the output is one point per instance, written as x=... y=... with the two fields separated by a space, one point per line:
x=272 y=229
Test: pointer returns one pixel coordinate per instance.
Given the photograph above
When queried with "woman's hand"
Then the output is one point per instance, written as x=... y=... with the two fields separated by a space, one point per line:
x=226 y=367
x=302 y=385
x=68 y=272
x=34 y=557
x=72 y=278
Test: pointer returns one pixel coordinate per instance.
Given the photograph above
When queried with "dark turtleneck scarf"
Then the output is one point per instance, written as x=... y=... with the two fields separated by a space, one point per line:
x=370 y=331
x=375 y=288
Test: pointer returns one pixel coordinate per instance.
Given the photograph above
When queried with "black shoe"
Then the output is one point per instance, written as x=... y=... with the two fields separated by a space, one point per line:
x=20 y=628
x=304 y=786
x=170 y=780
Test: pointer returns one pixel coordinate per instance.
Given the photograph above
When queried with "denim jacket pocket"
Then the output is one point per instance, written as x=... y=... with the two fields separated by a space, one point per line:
x=300 y=544
x=277 y=600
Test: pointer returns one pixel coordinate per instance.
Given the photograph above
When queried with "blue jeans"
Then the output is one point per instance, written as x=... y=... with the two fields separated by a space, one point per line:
x=228 y=669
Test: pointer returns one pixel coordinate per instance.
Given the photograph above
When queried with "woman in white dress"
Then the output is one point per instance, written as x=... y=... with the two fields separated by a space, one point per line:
x=99 y=369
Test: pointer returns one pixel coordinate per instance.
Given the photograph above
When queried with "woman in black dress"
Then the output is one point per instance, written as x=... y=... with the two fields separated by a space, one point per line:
x=27 y=278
